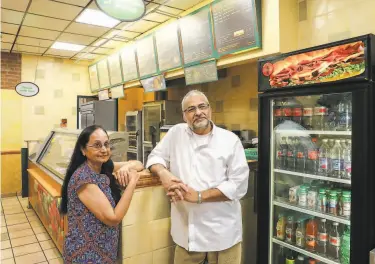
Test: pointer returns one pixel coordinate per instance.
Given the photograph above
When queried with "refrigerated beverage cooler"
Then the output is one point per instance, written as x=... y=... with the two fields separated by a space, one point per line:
x=133 y=125
x=316 y=155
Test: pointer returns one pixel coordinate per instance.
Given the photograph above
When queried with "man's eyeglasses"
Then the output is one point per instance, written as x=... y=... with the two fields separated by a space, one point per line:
x=193 y=109
x=99 y=145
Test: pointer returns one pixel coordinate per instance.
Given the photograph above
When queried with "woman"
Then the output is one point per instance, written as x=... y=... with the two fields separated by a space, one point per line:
x=92 y=199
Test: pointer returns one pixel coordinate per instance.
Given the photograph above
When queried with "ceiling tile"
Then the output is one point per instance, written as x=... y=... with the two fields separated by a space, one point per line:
x=23 y=48
x=9 y=28
x=113 y=44
x=181 y=4
x=64 y=53
x=7 y=38
x=34 y=41
x=102 y=51
x=123 y=24
x=170 y=10
x=156 y=17
x=82 y=3
x=19 y=5
x=93 y=5
x=88 y=56
x=128 y=34
x=38 y=33
x=54 y=9
x=45 y=22
x=88 y=49
x=76 y=39
x=86 y=29
x=10 y=16
x=150 y=7
x=142 y=26
x=6 y=46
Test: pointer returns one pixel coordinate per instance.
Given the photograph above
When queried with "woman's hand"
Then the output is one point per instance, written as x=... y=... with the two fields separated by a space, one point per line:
x=133 y=176
x=122 y=175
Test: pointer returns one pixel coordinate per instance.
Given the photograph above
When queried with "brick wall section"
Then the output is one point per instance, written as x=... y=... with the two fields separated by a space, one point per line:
x=10 y=70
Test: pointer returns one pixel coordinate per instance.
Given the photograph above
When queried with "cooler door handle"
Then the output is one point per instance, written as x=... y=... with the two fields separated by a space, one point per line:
x=255 y=206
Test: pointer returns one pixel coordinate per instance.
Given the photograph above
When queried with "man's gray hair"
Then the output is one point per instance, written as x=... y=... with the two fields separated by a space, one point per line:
x=190 y=94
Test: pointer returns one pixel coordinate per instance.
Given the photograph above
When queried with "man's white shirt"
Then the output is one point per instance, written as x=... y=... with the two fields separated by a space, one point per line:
x=216 y=160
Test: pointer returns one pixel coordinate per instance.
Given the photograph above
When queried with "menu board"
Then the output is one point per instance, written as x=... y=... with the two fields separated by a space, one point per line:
x=94 y=81
x=153 y=84
x=146 y=56
x=103 y=95
x=115 y=69
x=168 y=49
x=196 y=36
x=103 y=74
x=129 y=63
x=235 y=25
x=202 y=73
x=117 y=92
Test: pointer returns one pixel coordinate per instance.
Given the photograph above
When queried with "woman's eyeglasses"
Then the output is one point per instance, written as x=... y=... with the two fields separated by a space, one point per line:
x=193 y=109
x=99 y=145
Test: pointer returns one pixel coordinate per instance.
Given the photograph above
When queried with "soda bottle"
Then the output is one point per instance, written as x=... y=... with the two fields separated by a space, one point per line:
x=301 y=156
x=322 y=238
x=297 y=114
x=290 y=231
x=281 y=256
x=324 y=159
x=344 y=112
x=331 y=143
x=345 y=247
x=311 y=233
x=319 y=117
x=281 y=154
x=300 y=234
x=286 y=110
x=307 y=119
x=336 y=160
x=300 y=259
x=277 y=116
x=312 y=157
x=347 y=157
x=290 y=258
x=292 y=154
x=280 y=227
x=334 y=242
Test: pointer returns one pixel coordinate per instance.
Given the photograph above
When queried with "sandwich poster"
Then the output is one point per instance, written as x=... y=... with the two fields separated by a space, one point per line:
x=313 y=67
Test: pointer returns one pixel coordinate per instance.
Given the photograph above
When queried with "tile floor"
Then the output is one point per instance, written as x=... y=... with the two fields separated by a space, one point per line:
x=23 y=237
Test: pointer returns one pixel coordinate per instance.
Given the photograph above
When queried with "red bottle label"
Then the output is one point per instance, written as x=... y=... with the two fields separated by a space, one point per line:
x=300 y=155
x=308 y=111
x=287 y=111
x=313 y=155
x=277 y=112
x=297 y=111
x=334 y=241
x=323 y=237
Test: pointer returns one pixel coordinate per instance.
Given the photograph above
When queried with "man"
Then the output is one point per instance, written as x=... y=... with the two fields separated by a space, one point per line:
x=205 y=173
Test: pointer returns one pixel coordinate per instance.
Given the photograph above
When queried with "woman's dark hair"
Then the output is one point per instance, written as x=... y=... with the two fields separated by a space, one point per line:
x=78 y=159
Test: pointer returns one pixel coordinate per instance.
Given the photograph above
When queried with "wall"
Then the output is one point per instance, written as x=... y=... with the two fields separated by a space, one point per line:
x=60 y=81
x=332 y=20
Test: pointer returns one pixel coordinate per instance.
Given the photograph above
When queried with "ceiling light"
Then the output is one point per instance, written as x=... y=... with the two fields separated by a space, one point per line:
x=67 y=46
x=97 y=18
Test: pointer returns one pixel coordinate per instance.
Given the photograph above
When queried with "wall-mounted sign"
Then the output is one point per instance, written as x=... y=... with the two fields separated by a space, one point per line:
x=114 y=67
x=154 y=84
x=235 y=25
x=168 y=48
x=196 y=36
x=117 y=92
x=27 y=89
x=202 y=73
x=103 y=95
x=94 y=80
x=103 y=74
x=124 y=10
x=129 y=63
x=146 y=57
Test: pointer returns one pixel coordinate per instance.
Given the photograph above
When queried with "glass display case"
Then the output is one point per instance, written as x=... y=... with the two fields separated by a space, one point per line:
x=58 y=148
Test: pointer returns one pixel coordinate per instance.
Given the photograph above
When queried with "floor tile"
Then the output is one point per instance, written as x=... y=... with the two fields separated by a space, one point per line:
x=11 y=206
x=38 y=230
x=17 y=221
x=43 y=237
x=18 y=227
x=52 y=253
x=3 y=224
x=6 y=253
x=2 y=218
x=4 y=229
x=21 y=233
x=15 y=217
x=23 y=241
x=47 y=244
x=4 y=236
x=36 y=224
x=33 y=218
x=5 y=244
x=31 y=258
x=26 y=249
x=8 y=261
x=30 y=213
x=56 y=261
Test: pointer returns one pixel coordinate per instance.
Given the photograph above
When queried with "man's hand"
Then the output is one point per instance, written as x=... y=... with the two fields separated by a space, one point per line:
x=176 y=193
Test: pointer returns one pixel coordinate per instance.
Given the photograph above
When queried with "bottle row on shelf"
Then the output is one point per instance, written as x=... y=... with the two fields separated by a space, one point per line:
x=327 y=239
x=330 y=112
x=288 y=256
x=328 y=157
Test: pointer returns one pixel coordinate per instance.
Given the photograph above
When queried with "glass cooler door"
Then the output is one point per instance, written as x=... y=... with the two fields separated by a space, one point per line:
x=311 y=156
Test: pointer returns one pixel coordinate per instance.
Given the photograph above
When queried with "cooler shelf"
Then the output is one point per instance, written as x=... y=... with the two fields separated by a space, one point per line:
x=291 y=132
x=304 y=252
x=312 y=176
x=312 y=212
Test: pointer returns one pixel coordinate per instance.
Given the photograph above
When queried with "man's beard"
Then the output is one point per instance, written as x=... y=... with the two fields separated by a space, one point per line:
x=203 y=124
